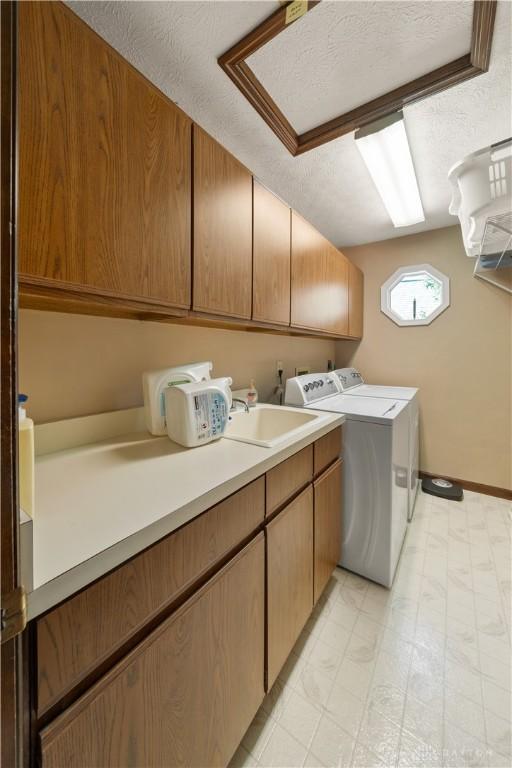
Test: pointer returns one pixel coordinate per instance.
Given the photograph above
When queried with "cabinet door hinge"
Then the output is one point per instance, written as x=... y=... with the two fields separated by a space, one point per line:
x=14 y=613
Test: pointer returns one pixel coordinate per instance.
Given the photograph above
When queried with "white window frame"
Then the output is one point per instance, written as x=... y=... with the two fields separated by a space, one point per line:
x=396 y=277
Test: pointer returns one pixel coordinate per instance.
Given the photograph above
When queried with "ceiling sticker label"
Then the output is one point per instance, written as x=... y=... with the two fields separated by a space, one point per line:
x=295 y=10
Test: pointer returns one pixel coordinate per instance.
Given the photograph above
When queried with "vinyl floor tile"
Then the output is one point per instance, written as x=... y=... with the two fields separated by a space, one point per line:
x=413 y=677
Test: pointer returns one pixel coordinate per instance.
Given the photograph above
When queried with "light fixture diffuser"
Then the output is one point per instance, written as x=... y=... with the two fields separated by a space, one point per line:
x=385 y=150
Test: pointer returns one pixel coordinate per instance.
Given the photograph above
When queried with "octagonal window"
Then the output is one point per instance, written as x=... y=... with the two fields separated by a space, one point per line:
x=415 y=295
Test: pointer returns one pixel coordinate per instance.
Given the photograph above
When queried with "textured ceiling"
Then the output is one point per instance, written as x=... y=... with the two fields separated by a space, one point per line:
x=345 y=54
x=176 y=45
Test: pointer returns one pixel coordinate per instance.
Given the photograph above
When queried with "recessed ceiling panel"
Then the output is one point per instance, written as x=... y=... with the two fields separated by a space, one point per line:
x=343 y=53
x=176 y=45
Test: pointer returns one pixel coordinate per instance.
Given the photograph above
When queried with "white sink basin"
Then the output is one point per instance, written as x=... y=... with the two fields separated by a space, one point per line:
x=267 y=425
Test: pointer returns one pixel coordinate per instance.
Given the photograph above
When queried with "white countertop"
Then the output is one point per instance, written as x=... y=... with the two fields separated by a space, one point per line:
x=99 y=504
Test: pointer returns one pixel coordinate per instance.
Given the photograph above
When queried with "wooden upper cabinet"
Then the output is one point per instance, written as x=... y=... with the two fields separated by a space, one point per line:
x=356 y=297
x=308 y=291
x=319 y=281
x=186 y=694
x=271 y=258
x=104 y=168
x=222 y=230
x=338 y=292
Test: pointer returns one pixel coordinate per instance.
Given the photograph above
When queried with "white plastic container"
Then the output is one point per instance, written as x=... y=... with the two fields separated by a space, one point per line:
x=154 y=383
x=481 y=189
x=26 y=458
x=198 y=413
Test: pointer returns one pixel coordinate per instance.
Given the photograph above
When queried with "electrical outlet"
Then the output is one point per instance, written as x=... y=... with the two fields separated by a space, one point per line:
x=279 y=367
x=300 y=370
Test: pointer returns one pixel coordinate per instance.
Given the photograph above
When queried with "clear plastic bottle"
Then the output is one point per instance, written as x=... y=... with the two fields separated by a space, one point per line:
x=252 y=394
x=25 y=457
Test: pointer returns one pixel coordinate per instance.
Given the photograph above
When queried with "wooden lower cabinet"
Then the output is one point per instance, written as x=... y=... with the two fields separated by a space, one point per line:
x=327 y=525
x=77 y=636
x=188 y=689
x=288 y=478
x=187 y=693
x=327 y=450
x=289 y=579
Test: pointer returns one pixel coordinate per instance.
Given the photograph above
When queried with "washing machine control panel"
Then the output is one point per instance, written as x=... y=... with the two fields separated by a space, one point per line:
x=348 y=378
x=303 y=390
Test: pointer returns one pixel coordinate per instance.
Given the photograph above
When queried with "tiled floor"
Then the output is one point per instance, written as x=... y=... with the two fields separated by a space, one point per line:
x=415 y=676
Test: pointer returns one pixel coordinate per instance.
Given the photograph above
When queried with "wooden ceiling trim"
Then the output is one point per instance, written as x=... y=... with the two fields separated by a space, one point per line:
x=484 y=14
x=263 y=103
x=262 y=34
x=233 y=62
x=426 y=85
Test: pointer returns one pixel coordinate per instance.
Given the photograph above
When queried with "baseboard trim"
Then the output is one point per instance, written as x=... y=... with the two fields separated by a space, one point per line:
x=469 y=485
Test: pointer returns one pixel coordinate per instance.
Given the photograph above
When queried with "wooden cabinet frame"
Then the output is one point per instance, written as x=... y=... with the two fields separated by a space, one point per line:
x=222 y=242
x=327 y=515
x=74 y=235
x=271 y=258
x=104 y=211
x=277 y=508
x=289 y=541
x=222 y=690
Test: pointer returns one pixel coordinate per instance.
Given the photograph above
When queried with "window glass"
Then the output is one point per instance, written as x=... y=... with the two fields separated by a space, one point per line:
x=416 y=296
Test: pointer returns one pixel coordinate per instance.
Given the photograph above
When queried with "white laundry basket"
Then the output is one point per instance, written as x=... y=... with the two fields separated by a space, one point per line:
x=481 y=188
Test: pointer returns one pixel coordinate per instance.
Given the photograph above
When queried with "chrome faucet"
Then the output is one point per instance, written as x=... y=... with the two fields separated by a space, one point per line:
x=239 y=400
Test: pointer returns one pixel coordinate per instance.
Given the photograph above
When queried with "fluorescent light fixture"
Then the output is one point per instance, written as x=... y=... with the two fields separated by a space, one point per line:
x=385 y=150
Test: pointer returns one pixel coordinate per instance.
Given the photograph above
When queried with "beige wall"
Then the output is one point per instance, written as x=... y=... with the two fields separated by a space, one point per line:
x=461 y=362
x=73 y=365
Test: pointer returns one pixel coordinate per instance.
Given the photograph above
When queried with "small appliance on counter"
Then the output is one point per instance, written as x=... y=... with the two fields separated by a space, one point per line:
x=154 y=384
x=198 y=412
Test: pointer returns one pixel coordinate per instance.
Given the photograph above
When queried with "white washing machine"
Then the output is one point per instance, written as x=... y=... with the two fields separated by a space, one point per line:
x=352 y=383
x=375 y=491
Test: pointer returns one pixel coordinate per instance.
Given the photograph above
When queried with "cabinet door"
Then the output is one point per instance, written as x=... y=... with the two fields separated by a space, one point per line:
x=356 y=292
x=271 y=258
x=327 y=525
x=81 y=633
x=337 y=282
x=327 y=449
x=186 y=695
x=319 y=281
x=104 y=168
x=309 y=288
x=222 y=230
x=289 y=579
x=288 y=478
